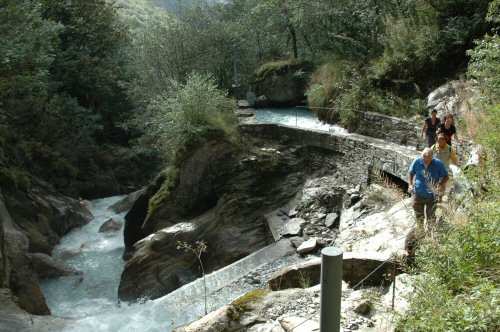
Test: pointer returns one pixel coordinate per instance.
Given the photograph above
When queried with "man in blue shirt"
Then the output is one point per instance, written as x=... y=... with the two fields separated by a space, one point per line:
x=427 y=176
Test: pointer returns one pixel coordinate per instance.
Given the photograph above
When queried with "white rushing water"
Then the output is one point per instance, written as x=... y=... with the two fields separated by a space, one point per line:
x=90 y=303
x=295 y=117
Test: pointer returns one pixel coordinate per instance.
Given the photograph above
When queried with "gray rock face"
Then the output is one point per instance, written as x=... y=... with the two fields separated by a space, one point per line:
x=331 y=220
x=31 y=222
x=20 y=272
x=43 y=214
x=307 y=246
x=13 y=318
x=46 y=267
x=109 y=226
x=126 y=203
x=290 y=304
x=447 y=98
x=293 y=227
x=218 y=199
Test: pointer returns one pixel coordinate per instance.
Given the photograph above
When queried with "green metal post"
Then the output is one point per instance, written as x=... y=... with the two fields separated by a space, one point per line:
x=331 y=289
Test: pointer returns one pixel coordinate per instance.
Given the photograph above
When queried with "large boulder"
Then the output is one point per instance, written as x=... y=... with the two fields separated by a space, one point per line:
x=126 y=203
x=43 y=214
x=46 y=267
x=282 y=85
x=222 y=198
x=22 y=278
x=383 y=232
x=449 y=98
x=13 y=318
x=31 y=221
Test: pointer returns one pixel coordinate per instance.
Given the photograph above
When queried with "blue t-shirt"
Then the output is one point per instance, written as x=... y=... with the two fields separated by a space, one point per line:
x=434 y=172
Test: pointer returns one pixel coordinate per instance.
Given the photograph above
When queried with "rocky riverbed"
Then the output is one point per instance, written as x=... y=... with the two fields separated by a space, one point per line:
x=369 y=225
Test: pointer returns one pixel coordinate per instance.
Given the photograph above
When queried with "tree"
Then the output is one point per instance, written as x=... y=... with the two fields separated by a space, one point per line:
x=89 y=63
x=26 y=53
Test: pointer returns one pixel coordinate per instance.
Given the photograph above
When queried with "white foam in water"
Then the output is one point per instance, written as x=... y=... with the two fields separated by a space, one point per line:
x=295 y=117
x=90 y=303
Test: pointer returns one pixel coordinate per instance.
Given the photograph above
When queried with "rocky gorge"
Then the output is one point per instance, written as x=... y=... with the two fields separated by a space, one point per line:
x=311 y=189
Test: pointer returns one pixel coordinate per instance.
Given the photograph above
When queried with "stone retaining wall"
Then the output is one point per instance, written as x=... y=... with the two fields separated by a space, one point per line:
x=358 y=154
x=390 y=129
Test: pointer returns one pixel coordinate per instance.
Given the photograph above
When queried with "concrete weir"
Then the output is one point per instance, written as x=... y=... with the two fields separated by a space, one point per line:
x=358 y=154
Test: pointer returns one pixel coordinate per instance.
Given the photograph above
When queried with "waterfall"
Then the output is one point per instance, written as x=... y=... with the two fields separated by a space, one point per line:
x=89 y=301
x=295 y=117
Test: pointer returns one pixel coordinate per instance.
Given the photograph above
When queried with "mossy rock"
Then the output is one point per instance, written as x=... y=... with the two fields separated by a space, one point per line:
x=166 y=181
x=281 y=66
x=244 y=302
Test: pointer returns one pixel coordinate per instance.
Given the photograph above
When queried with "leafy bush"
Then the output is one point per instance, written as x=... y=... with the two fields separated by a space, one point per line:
x=326 y=83
x=14 y=177
x=484 y=66
x=412 y=41
x=43 y=160
x=335 y=92
x=187 y=113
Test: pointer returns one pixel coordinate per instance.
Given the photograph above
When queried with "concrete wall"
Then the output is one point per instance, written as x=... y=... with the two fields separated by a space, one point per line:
x=358 y=154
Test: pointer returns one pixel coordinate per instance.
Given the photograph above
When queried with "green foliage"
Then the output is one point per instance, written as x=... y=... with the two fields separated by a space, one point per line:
x=333 y=93
x=14 y=177
x=412 y=42
x=136 y=14
x=326 y=83
x=340 y=90
x=458 y=290
x=387 y=102
x=493 y=15
x=269 y=68
x=244 y=302
x=439 y=310
x=60 y=67
x=170 y=179
x=187 y=113
x=65 y=124
x=26 y=53
x=43 y=160
x=427 y=40
x=484 y=67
